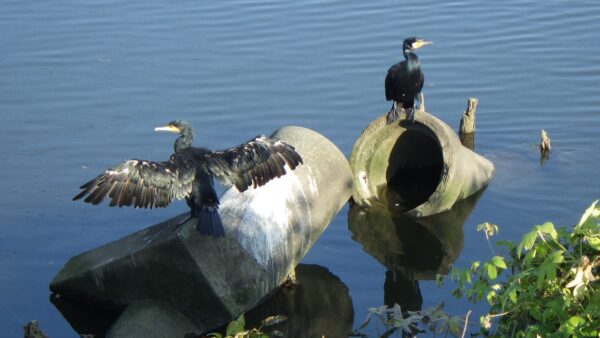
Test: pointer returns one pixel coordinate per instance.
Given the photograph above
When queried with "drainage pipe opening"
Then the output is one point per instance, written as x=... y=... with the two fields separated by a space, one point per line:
x=414 y=169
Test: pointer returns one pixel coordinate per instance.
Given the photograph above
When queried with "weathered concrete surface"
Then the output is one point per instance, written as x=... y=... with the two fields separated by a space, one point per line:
x=151 y=319
x=417 y=167
x=211 y=281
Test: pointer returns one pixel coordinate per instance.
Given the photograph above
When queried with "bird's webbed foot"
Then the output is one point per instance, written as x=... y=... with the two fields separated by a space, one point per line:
x=410 y=114
x=394 y=114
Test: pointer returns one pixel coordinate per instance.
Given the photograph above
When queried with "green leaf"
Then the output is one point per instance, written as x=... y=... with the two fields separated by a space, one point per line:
x=556 y=257
x=258 y=335
x=508 y=244
x=491 y=271
x=498 y=261
x=548 y=228
x=512 y=295
x=454 y=327
x=547 y=270
x=527 y=242
x=586 y=215
x=490 y=297
x=535 y=312
x=273 y=320
x=594 y=242
x=570 y=326
x=466 y=276
x=236 y=326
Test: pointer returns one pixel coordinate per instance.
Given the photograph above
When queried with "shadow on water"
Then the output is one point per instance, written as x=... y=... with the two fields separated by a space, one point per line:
x=319 y=305
x=410 y=249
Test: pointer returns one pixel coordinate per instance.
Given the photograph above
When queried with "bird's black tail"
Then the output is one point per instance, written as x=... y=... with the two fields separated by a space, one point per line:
x=209 y=222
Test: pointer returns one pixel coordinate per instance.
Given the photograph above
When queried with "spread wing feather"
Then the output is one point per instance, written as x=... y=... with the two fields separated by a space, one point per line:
x=142 y=184
x=253 y=163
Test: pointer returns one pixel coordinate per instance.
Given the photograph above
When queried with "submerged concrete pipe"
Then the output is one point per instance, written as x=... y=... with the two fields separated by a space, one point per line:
x=210 y=281
x=419 y=167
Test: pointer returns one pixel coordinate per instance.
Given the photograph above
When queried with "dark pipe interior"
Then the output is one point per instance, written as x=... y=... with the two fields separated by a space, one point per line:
x=415 y=168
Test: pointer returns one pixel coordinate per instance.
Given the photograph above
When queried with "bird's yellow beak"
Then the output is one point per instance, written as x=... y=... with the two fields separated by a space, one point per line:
x=420 y=43
x=169 y=128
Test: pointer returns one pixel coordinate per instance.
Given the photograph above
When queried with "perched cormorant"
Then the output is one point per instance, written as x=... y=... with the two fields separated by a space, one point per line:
x=404 y=81
x=188 y=174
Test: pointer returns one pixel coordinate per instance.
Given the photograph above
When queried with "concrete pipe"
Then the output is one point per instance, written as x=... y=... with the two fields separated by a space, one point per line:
x=417 y=167
x=192 y=279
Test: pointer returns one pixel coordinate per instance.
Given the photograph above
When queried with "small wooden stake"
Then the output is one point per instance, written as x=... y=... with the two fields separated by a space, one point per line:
x=545 y=142
x=467 y=122
x=544 y=147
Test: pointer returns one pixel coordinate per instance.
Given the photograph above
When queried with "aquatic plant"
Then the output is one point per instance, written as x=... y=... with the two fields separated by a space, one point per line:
x=545 y=285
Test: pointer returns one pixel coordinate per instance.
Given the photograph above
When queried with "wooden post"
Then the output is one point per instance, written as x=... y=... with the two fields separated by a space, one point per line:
x=544 y=147
x=467 y=122
x=545 y=142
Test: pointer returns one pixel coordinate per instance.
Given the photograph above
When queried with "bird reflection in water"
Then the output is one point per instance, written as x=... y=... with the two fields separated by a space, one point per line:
x=410 y=249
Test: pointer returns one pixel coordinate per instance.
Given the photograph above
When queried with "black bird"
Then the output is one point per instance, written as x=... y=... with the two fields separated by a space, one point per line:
x=189 y=174
x=404 y=81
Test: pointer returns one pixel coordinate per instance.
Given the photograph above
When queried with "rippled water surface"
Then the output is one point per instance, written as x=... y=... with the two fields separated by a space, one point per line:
x=83 y=84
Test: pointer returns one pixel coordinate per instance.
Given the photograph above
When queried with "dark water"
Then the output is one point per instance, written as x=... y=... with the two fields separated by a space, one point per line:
x=83 y=84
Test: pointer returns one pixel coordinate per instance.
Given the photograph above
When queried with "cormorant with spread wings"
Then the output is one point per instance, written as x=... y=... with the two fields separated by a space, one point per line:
x=188 y=174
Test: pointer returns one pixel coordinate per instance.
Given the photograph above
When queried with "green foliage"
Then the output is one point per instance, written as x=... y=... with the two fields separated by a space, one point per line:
x=236 y=328
x=543 y=286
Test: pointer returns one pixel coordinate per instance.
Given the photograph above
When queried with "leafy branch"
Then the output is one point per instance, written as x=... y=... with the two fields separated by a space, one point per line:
x=545 y=285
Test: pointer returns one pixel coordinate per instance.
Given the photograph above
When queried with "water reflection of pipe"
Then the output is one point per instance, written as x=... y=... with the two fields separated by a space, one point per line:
x=319 y=306
x=411 y=249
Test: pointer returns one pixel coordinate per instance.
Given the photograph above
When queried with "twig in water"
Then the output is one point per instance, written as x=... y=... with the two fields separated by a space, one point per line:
x=466 y=323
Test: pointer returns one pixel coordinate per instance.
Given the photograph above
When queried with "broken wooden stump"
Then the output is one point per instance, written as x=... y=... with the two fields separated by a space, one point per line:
x=544 y=147
x=467 y=124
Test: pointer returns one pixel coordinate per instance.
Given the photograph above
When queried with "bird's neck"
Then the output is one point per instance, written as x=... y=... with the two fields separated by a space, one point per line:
x=412 y=61
x=183 y=142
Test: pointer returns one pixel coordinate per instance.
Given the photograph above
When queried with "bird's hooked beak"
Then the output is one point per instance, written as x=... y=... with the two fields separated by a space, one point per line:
x=420 y=43
x=169 y=128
